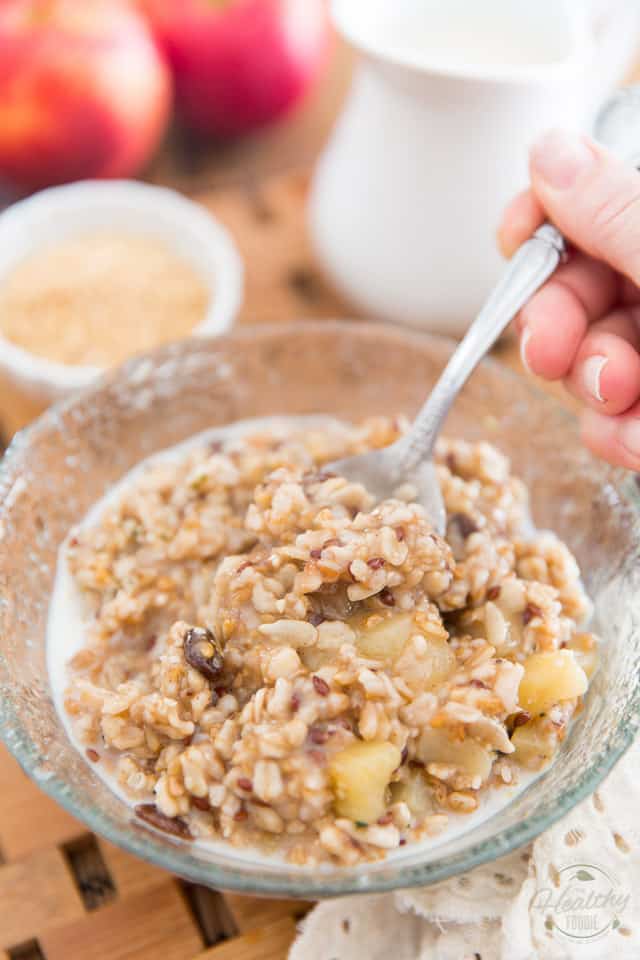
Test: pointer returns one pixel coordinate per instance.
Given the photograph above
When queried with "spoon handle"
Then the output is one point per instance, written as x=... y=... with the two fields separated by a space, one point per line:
x=528 y=269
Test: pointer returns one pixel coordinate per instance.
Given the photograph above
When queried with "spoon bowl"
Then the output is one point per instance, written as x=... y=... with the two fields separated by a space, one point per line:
x=381 y=473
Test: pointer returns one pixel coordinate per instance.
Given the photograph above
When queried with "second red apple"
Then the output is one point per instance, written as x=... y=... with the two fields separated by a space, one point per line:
x=239 y=64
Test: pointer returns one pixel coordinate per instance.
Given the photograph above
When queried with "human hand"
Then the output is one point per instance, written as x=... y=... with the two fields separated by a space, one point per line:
x=583 y=325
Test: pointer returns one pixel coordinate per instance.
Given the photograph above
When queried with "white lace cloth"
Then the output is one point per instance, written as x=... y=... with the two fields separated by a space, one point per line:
x=488 y=912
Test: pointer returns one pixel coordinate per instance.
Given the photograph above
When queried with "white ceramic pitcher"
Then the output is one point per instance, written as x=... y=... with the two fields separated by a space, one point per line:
x=432 y=142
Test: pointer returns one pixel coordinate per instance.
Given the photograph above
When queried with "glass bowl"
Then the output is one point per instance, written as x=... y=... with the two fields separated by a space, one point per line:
x=59 y=466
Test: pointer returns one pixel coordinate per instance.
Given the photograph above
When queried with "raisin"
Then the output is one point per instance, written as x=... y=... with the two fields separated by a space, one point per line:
x=173 y=825
x=332 y=602
x=493 y=593
x=315 y=554
x=203 y=652
x=464 y=524
x=245 y=784
x=385 y=596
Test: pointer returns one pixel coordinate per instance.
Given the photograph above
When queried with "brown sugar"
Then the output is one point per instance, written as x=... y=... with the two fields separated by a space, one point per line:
x=98 y=298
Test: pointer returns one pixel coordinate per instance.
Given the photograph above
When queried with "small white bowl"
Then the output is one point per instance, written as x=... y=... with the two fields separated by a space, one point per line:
x=30 y=383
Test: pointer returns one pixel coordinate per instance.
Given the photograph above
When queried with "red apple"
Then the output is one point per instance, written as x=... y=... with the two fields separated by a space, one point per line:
x=239 y=64
x=84 y=91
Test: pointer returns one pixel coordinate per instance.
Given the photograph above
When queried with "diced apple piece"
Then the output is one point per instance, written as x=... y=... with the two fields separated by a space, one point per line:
x=550 y=678
x=535 y=744
x=434 y=746
x=426 y=665
x=314 y=659
x=435 y=665
x=585 y=650
x=382 y=636
x=415 y=792
x=360 y=775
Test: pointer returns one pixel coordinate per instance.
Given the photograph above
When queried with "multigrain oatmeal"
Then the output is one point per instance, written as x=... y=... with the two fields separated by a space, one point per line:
x=274 y=660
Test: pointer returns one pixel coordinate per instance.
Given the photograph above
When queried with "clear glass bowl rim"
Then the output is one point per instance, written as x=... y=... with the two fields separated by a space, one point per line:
x=304 y=884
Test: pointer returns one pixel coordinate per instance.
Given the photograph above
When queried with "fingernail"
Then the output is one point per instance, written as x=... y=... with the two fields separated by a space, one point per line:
x=559 y=156
x=630 y=436
x=524 y=342
x=591 y=375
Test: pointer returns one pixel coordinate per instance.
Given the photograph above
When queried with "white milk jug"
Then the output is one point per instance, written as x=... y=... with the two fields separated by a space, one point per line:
x=433 y=139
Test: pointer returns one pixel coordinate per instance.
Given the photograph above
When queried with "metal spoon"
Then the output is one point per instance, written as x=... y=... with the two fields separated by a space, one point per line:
x=408 y=460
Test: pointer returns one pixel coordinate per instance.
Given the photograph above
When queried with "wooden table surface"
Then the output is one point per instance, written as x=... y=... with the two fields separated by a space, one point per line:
x=64 y=893
x=291 y=144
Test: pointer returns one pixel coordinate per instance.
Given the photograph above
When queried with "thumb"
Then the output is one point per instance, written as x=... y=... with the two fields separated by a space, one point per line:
x=591 y=196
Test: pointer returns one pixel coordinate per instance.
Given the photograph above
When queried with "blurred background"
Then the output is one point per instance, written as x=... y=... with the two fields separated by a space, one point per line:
x=254 y=88
x=254 y=85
